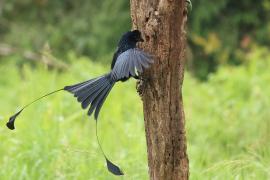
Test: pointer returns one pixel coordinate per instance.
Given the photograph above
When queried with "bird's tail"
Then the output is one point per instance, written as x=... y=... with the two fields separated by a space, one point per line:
x=93 y=91
x=11 y=123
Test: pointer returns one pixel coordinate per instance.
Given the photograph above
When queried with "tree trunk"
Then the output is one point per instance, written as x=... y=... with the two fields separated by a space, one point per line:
x=162 y=22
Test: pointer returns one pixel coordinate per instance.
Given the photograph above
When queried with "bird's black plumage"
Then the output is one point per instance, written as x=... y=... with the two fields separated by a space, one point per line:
x=126 y=62
x=127 y=41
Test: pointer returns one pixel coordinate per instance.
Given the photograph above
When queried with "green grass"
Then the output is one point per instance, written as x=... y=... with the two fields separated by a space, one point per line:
x=228 y=125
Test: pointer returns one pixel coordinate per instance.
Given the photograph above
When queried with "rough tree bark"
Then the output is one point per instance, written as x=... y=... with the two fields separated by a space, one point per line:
x=162 y=23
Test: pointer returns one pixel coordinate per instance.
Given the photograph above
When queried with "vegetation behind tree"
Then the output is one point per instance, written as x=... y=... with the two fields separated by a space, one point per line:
x=220 y=32
x=46 y=44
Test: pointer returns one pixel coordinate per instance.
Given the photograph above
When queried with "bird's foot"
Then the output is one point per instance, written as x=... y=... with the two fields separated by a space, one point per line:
x=137 y=77
x=141 y=78
x=139 y=87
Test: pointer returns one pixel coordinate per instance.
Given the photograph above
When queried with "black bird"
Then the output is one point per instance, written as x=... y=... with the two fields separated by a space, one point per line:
x=128 y=61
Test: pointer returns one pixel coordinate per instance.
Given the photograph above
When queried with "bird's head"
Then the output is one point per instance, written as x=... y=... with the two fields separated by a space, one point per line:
x=135 y=36
x=131 y=37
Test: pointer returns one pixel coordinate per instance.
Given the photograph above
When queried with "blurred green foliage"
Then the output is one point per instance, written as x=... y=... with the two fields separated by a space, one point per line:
x=89 y=28
x=227 y=116
x=228 y=130
x=219 y=31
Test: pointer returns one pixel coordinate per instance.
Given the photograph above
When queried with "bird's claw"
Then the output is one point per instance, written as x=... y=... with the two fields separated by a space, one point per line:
x=137 y=77
x=141 y=78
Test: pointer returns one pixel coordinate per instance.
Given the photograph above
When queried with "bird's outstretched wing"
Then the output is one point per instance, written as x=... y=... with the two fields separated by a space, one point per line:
x=129 y=62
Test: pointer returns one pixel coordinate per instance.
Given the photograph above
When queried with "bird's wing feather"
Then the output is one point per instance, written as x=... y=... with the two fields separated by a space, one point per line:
x=123 y=68
x=129 y=61
x=137 y=63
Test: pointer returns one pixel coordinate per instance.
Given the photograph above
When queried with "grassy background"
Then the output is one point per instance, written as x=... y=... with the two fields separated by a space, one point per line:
x=226 y=91
x=228 y=125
